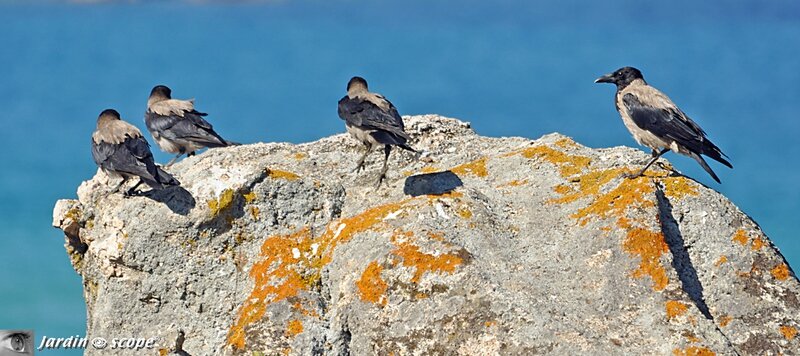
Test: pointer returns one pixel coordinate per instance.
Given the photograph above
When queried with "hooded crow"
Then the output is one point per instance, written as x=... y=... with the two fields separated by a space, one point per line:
x=120 y=150
x=177 y=127
x=656 y=122
x=374 y=121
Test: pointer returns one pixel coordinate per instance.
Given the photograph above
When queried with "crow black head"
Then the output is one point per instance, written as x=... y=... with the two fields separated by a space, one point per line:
x=110 y=114
x=356 y=81
x=621 y=77
x=162 y=91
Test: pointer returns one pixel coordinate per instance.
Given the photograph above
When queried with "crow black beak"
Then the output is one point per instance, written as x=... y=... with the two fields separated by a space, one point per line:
x=608 y=78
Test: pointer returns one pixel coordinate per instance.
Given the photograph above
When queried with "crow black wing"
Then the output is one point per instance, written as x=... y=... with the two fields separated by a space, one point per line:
x=190 y=127
x=366 y=115
x=673 y=124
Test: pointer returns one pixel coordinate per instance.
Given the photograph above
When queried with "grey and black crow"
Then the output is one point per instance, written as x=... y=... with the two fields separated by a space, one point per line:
x=656 y=122
x=177 y=127
x=120 y=150
x=374 y=121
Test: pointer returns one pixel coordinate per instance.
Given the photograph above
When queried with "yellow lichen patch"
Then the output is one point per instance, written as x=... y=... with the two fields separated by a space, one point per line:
x=475 y=168
x=490 y=323
x=513 y=183
x=780 y=272
x=789 y=332
x=679 y=187
x=163 y=352
x=300 y=155
x=589 y=185
x=725 y=320
x=693 y=351
x=721 y=260
x=566 y=143
x=255 y=212
x=250 y=197
x=740 y=237
x=758 y=243
x=568 y=165
x=464 y=212
x=294 y=328
x=562 y=189
x=428 y=169
x=451 y=194
x=278 y=174
x=291 y=263
x=223 y=202
x=675 y=309
x=650 y=246
x=371 y=287
x=423 y=262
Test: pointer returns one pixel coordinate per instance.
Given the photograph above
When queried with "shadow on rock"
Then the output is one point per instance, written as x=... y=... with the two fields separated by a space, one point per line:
x=431 y=183
x=178 y=199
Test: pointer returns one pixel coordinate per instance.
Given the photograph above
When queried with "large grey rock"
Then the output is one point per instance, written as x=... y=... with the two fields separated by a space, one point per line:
x=491 y=246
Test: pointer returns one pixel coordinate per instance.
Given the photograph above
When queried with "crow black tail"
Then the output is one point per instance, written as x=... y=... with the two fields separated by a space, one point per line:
x=706 y=167
x=711 y=150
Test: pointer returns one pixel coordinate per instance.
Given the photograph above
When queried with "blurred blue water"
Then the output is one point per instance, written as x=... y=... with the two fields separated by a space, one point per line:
x=273 y=72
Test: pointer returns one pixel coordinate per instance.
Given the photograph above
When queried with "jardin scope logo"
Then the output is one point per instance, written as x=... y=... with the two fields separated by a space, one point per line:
x=16 y=342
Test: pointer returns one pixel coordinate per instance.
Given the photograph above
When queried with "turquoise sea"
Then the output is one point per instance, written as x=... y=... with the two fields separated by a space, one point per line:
x=273 y=71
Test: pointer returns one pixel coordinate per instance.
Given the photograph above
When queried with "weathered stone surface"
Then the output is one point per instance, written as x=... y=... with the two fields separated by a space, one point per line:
x=498 y=246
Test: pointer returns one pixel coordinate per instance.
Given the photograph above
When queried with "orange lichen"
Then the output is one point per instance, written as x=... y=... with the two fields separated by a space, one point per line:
x=436 y=236
x=649 y=246
x=740 y=237
x=758 y=243
x=789 y=332
x=675 y=309
x=691 y=337
x=423 y=262
x=693 y=351
x=780 y=272
x=490 y=323
x=568 y=165
x=725 y=320
x=289 y=264
x=721 y=260
x=371 y=287
x=163 y=352
x=679 y=187
x=475 y=168
x=279 y=174
x=630 y=193
x=294 y=328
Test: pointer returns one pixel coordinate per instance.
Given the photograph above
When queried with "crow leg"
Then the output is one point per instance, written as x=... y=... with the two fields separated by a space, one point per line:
x=132 y=192
x=656 y=156
x=360 y=163
x=173 y=160
x=387 y=149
